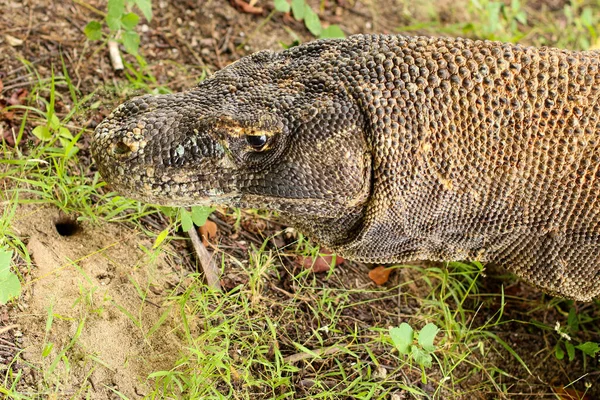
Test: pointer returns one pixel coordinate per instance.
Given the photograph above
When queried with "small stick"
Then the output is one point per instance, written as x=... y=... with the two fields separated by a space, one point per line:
x=8 y=328
x=324 y=351
x=208 y=266
x=115 y=55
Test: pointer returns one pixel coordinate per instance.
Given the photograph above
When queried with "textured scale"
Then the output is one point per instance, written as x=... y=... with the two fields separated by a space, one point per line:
x=389 y=149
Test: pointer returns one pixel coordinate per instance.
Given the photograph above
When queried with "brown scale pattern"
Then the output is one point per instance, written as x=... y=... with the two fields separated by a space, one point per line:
x=390 y=149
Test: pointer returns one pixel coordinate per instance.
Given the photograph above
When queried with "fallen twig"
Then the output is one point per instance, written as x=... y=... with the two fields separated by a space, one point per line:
x=317 y=352
x=115 y=55
x=248 y=8
x=8 y=328
x=208 y=266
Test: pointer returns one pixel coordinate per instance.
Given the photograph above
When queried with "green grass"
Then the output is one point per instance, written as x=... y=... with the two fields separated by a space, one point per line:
x=320 y=337
x=572 y=26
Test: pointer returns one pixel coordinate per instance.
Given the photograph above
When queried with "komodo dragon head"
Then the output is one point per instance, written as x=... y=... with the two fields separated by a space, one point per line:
x=272 y=130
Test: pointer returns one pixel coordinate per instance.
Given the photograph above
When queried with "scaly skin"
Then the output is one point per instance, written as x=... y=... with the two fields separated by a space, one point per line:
x=389 y=149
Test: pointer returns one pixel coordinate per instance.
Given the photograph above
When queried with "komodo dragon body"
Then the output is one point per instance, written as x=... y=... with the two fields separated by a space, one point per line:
x=388 y=149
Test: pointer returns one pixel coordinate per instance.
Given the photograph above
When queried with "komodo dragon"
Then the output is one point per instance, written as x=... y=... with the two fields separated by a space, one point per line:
x=388 y=149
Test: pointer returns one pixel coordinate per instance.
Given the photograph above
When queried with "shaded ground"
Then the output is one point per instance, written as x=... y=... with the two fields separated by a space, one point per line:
x=103 y=272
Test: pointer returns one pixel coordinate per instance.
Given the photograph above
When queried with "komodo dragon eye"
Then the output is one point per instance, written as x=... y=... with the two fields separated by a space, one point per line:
x=257 y=141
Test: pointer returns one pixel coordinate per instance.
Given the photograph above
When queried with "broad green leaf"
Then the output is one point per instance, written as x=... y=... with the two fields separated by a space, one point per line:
x=115 y=8
x=115 y=12
x=10 y=286
x=298 y=7
x=332 y=32
x=130 y=21
x=282 y=6
x=312 y=22
x=146 y=7
x=131 y=41
x=421 y=357
x=169 y=211
x=42 y=132
x=93 y=30
x=5 y=257
x=65 y=133
x=572 y=320
x=160 y=238
x=559 y=353
x=589 y=348
x=200 y=214
x=570 y=350
x=54 y=122
x=402 y=337
x=186 y=220
x=427 y=335
x=114 y=24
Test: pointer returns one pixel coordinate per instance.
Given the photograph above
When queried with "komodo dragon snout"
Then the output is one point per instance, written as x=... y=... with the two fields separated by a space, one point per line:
x=389 y=148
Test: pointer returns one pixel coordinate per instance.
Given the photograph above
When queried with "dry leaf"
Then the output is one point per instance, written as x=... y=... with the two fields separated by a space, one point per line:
x=380 y=275
x=7 y=137
x=18 y=96
x=322 y=263
x=207 y=231
x=570 y=394
x=13 y=41
x=248 y=8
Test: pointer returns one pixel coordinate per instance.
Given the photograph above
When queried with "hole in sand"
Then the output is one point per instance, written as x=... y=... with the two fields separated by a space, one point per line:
x=66 y=226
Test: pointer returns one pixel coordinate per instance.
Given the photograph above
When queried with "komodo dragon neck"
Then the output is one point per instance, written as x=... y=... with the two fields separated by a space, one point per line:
x=389 y=149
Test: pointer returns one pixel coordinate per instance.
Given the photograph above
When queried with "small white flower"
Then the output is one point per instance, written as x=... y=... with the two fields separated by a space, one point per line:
x=324 y=329
x=561 y=334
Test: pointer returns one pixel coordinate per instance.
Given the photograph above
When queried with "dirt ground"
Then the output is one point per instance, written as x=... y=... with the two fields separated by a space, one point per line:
x=101 y=266
x=71 y=279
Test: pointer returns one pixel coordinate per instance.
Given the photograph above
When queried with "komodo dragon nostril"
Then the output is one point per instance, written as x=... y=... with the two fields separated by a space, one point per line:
x=120 y=148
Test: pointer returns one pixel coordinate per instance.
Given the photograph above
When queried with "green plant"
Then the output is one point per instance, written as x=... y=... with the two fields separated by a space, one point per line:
x=566 y=340
x=121 y=21
x=403 y=338
x=54 y=129
x=303 y=12
x=10 y=286
x=498 y=21
x=197 y=215
x=583 y=21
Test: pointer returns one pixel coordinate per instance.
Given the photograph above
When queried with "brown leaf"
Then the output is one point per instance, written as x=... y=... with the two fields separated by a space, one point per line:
x=247 y=8
x=1 y=84
x=253 y=225
x=7 y=137
x=16 y=99
x=380 y=275
x=8 y=115
x=208 y=231
x=322 y=263
x=13 y=41
x=570 y=394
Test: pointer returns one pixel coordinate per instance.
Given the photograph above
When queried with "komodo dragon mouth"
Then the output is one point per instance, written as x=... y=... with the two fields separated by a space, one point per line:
x=388 y=149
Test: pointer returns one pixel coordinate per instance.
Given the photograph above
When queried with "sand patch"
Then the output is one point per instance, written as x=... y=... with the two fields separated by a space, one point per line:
x=104 y=294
